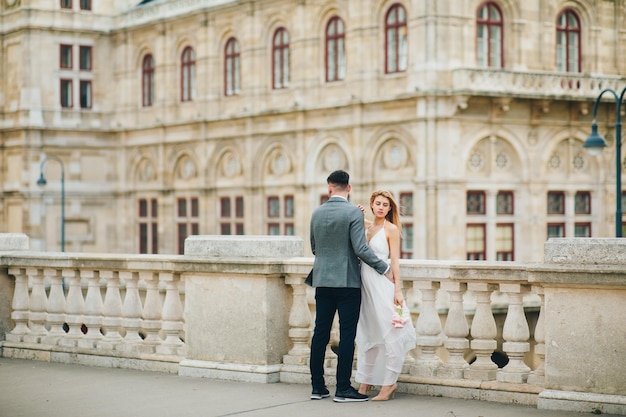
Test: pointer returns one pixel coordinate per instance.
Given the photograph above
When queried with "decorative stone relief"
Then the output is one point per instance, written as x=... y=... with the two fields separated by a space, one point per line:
x=145 y=171
x=579 y=162
x=555 y=161
x=501 y=160
x=476 y=161
x=333 y=158
x=279 y=163
x=186 y=169
x=230 y=164
x=394 y=155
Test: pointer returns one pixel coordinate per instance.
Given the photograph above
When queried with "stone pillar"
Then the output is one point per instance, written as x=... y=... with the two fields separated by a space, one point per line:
x=237 y=314
x=584 y=283
x=8 y=242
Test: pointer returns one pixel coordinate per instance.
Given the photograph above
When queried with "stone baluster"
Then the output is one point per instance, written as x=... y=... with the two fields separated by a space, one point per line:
x=484 y=332
x=111 y=312
x=56 y=307
x=152 y=313
x=74 y=309
x=428 y=329
x=172 y=316
x=299 y=323
x=538 y=376
x=515 y=334
x=19 y=306
x=93 y=310
x=456 y=331
x=38 y=306
x=131 y=312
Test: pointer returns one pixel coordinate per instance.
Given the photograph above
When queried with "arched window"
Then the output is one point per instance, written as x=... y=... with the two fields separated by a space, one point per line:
x=147 y=81
x=280 y=59
x=568 y=42
x=489 y=37
x=188 y=74
x=396 y=39
x=335 y=50
x=232 y=68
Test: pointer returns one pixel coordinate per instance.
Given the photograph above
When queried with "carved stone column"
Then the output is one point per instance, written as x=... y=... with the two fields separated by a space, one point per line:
x=56 y=307
x=111 y=312
x=38 y=306
x=20 y=306
x=456 y=330
x=172 y=316
x=537 y=377
x=152 y=313
x=131 y=312
x=516 y=335
x=428 y=329
x=484 y=333
x=74 y=309
x=299 y=323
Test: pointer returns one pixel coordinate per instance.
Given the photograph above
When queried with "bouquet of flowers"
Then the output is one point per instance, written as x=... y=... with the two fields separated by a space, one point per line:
x=397 y=319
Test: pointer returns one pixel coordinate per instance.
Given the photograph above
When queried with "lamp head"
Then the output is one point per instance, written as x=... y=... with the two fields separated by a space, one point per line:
x=41 y=181
x=594 y=143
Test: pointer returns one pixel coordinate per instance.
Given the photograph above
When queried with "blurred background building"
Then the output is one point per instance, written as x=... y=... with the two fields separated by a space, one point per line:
x=176 y=117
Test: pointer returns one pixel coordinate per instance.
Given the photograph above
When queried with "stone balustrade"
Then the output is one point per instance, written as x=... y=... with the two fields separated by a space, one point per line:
x=236 y=307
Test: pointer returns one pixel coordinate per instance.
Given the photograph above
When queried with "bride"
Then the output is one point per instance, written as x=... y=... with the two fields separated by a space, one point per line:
x=381 y=345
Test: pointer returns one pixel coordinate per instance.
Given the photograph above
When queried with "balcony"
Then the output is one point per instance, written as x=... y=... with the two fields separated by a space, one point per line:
x=537 y=85
x=236 y=308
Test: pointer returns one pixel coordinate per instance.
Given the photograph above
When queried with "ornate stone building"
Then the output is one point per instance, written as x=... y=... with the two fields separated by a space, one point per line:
x=174 y=117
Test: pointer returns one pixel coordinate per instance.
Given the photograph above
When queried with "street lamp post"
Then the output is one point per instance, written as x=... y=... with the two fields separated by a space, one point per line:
x=596 y=143
x=42 y=181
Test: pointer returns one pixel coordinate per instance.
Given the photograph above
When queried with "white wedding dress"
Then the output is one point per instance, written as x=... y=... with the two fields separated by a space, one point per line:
x=381 y=348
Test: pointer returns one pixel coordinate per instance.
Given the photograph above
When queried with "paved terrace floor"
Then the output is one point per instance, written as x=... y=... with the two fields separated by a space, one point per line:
x=41 y=389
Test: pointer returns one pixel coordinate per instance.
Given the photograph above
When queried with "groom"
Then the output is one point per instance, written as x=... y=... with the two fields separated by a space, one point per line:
x=338 y=242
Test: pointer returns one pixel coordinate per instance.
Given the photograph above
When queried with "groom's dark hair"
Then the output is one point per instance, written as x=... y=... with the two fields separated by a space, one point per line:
x=339 y=177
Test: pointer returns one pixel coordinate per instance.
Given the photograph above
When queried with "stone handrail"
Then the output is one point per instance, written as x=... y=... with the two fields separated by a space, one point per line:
x=238 y=308
x=531 y=84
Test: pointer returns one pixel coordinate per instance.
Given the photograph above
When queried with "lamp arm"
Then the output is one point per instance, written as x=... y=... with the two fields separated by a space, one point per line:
x=617 y=99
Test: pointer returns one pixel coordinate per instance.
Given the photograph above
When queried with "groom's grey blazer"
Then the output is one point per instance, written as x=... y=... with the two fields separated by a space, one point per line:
x=338 y=242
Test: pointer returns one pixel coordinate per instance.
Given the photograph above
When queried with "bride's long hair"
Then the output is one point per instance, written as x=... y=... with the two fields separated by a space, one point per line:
x=393 y=215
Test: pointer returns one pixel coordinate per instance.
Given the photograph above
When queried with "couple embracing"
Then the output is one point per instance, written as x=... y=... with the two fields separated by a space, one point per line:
x=356 y=273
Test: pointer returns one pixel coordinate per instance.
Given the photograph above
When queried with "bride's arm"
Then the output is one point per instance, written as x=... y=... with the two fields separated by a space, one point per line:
x=393 y=239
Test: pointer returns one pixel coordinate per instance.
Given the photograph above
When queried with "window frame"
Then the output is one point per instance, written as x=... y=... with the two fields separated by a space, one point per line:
x=566 y=31
x=483 y=254
x=507 y=193
x=563 y=203
x=70 y=96
x=488 y=24
x=188 y=74
x=587 y=210
x=582 y=224
x=66 y=4
x=232 y=67
x=85 y=5
x=187 y=220
x=148 y=238
x=338 y=40
x=398 y=31
x=280 y=59
x=147 y=80
x=62 y=48
x=81 y=49
x=483 y=208
x=511 y=226
x=82 y=84
x=561 y=225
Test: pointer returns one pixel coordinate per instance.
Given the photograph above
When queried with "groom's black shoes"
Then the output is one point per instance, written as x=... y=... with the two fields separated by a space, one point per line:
x=349 y=395
x=319 y=393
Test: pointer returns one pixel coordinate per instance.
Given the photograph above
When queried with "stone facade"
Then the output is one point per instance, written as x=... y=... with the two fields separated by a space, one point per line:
x=443 y=127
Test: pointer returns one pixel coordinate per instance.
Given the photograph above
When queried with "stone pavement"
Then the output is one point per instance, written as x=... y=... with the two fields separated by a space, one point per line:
x=42 y=389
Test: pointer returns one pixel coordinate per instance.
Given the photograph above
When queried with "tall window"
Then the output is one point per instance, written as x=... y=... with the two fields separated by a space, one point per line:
x=85 y=4
x=147 y=81
x=504 y=242
x=231 y=215
x=475 y=240
x=188 y=74
x=85 y=94
x=280 y=216
x=406 y=217
x=489 y=39
x=66 y=4
x=65 y=57
x=66 y=93
x=396 y=45
x=232 y=68
x=568 y=42
x=148 y=226
x=186 y=220
x=335 y=50
x=280 y=59
x=84 y=58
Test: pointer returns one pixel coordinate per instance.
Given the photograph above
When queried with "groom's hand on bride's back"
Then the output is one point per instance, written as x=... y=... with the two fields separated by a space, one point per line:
x=389 y=275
